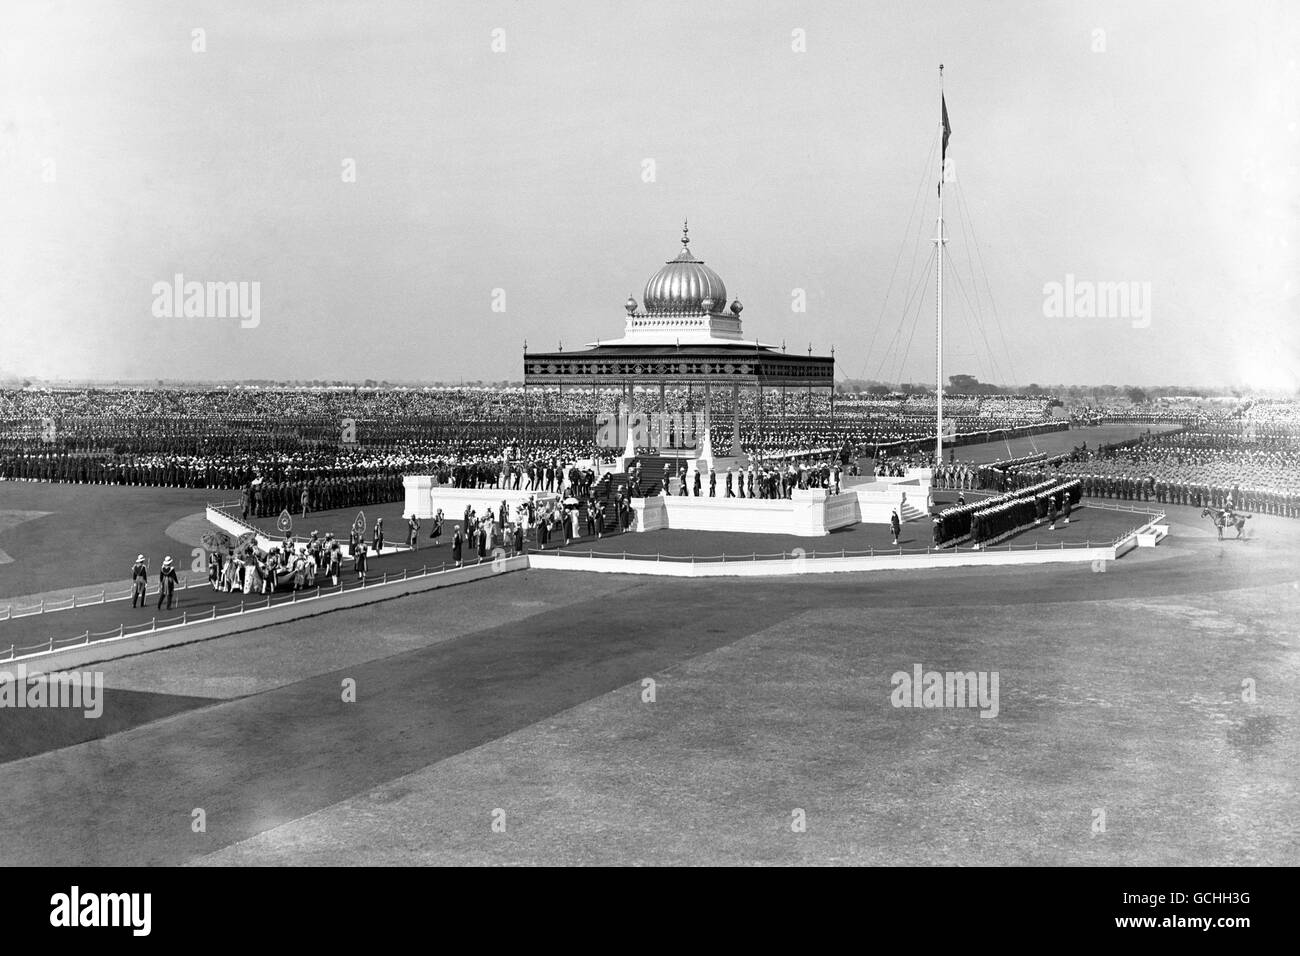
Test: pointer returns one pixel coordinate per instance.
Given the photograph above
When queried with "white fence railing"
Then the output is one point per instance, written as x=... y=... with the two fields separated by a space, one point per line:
x=247 y=605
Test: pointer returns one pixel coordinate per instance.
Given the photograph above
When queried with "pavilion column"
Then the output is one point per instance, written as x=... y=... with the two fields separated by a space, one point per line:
x=690 y=410
x=663 y=417
x=629 y=450
x=706 y=442
x=735 y=421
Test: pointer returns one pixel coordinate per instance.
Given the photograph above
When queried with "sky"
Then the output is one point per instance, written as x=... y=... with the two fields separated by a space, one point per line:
x=415 y=190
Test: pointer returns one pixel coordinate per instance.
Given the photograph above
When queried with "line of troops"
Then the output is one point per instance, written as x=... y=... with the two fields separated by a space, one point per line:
x=1200 y=494
x=955 y=523
x=90 y=471
x=1052 y=505
x=543 y=475
x=176 y=472
x=268 y=498
x=955 y=476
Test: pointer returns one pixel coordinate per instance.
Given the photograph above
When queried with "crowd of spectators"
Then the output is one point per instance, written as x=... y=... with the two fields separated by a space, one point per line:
x=346 y=446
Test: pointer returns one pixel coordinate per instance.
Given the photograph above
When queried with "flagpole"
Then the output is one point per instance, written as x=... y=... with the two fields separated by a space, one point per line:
x=938 y=293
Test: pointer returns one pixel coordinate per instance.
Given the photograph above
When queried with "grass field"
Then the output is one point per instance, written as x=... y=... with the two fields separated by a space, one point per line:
x=521 y=698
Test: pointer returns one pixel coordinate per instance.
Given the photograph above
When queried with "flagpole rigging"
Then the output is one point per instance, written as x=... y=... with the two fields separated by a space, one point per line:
x=938 y=281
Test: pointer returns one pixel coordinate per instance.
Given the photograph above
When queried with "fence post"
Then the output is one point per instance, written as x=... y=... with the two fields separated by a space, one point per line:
x=121 y=628
x=184 y=614
x=86 y=637
x=153 y=625
x=74 y=600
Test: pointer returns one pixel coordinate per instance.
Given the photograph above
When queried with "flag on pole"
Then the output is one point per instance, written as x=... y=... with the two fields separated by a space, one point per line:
x=943 y=151
x=947 y=130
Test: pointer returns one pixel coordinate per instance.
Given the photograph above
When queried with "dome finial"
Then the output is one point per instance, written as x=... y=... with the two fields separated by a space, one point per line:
x=686 y=232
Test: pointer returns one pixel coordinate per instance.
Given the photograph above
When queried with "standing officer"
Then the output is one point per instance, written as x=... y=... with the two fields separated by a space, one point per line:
x=166 y=583
x=139 y=580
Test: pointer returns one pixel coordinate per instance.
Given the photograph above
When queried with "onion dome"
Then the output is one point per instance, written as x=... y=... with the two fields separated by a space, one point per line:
x=736 y=307
x=630 y=305
x=684 y=284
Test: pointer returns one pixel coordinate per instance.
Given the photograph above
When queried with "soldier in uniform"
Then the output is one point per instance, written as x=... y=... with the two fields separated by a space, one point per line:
x=360 y=561
x=139 y=580
x=166 y=583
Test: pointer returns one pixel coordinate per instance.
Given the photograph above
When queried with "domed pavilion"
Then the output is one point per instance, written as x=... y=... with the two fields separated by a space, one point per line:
x=683 y=333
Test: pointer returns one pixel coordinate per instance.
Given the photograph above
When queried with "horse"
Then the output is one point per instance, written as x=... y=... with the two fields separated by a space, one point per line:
x=1221 y=520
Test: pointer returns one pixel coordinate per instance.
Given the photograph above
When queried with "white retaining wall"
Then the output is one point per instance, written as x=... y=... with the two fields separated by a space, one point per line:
x=809 y=513
x=772 y=566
